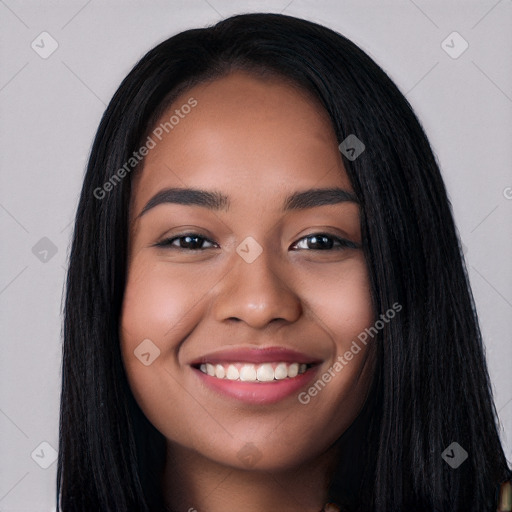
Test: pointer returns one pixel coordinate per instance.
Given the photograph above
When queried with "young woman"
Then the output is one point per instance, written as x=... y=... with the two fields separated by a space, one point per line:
x=267 y=307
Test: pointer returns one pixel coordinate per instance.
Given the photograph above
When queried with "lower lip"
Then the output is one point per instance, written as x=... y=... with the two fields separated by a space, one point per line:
x=259 y=393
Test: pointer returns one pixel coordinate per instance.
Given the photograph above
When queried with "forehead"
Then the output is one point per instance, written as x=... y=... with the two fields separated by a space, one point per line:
x=246 y=135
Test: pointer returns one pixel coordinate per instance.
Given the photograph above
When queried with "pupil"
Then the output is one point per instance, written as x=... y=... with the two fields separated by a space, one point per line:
x=320 y=242
x=189 y=241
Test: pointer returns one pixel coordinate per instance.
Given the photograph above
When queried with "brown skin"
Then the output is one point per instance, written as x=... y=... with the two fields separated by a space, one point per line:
x=257 y=141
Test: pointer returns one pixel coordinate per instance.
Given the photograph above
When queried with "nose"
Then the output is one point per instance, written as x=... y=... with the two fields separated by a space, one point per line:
x=257 y=294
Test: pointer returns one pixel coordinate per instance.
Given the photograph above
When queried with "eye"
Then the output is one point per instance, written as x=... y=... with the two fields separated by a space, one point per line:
x=186 y=241
x=316 y=242
x=324 y=241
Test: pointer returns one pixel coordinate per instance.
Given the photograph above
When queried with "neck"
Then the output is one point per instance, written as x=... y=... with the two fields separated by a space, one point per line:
x=192 y=482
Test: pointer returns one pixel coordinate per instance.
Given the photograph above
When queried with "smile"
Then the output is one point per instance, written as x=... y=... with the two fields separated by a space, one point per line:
x=256 y=376
x=249 y=372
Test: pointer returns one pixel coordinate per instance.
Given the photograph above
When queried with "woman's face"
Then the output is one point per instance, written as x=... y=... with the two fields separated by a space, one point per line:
x=207 y=282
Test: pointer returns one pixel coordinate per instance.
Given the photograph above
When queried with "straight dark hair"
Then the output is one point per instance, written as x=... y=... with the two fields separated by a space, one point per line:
x=431 y=387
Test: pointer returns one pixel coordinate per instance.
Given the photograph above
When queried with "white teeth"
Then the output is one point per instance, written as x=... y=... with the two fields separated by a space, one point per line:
x=265 y=373
x=247 y=372
x=281 y=371
x=232 y=373
x=219 y=371
x=293 y=370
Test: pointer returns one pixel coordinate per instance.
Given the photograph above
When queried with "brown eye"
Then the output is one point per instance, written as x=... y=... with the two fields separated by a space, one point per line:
x=186 y=241
x=324 y=241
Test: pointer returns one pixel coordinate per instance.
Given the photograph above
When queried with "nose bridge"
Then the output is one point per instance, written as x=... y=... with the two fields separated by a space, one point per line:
x=254 y=292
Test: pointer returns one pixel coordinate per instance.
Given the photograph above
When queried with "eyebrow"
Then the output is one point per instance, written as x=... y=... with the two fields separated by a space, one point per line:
x=214 y=200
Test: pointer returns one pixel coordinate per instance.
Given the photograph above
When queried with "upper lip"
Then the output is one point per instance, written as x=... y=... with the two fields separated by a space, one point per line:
x=256 y=355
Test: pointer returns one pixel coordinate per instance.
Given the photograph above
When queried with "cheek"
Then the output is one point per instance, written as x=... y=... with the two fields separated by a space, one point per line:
x=160 y=302
x=342 y=301
x=160 y=306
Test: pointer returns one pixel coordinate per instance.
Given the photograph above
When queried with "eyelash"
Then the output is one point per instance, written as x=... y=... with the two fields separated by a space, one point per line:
x=343 y=244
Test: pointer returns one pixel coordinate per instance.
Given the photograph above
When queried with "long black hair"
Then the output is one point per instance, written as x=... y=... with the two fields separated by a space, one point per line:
x=431 y=387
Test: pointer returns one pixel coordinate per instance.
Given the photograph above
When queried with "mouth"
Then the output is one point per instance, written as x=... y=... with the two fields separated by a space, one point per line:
x=255 y=376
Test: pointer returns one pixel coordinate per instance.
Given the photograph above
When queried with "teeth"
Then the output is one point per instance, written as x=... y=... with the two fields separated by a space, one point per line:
x=247 y=372
x=219 y=371
x=281 y=371
x=265 y=373
x=232 y=373
x=293 y=370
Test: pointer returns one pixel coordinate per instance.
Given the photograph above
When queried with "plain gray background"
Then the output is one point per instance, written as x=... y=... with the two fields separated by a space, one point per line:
x=50 y=110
